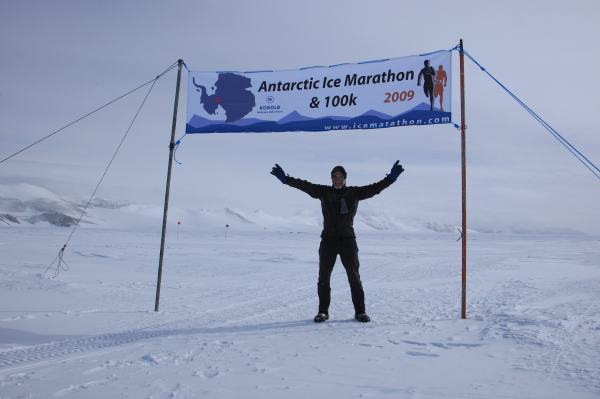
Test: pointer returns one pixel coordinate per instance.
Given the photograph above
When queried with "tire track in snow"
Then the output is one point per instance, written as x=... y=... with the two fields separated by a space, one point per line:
x=35 y=355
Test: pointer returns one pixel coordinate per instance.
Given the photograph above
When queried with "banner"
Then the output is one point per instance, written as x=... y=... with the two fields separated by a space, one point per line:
x=405 y=91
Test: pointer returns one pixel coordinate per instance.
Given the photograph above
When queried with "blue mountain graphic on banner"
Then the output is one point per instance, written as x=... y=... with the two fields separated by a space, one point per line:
x=296 y=117
x=418 y=115
x=377 y=114
x=293 y=117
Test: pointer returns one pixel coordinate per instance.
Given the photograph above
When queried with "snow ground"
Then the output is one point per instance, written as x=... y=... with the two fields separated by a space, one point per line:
x=236 y=311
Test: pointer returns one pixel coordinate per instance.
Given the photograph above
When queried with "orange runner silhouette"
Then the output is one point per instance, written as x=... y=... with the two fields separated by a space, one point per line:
x=440 y=76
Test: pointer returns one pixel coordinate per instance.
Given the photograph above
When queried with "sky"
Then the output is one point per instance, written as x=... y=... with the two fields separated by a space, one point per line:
x=62 y=59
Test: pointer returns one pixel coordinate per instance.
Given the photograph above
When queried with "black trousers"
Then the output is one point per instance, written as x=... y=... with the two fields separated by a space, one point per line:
x=329 y=249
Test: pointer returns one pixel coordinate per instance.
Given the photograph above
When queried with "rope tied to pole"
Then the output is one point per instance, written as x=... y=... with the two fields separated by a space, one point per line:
x=76 y=225
x=564 y=142
x=461 y=235
x=177 y=143
x=88 y=114
x=61 y=265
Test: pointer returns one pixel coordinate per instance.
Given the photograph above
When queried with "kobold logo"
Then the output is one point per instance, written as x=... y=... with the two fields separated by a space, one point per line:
x=270 y=108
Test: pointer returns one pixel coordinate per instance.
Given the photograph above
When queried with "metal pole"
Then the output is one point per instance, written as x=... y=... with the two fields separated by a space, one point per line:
x=463 y=128
x=171 y=149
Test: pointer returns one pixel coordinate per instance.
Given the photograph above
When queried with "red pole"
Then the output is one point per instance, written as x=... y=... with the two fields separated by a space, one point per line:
x=463 y=128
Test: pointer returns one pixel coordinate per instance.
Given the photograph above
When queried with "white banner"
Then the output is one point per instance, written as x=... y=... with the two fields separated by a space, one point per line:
x=405 y=91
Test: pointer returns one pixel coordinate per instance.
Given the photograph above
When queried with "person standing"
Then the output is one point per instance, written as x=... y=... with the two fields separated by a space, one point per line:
x=339 y=204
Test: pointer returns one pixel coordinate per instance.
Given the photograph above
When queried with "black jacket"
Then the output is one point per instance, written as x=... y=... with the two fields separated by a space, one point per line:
x=338 y=206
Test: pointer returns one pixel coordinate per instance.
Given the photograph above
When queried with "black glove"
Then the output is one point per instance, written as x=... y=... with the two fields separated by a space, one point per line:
x=278 y=172
x=395 y=172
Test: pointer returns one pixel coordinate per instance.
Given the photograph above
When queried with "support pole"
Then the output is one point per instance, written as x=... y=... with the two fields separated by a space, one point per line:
x=171 y=149
x=463 y=128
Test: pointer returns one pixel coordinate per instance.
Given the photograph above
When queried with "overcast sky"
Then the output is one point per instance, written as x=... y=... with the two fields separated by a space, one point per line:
x=61 y=59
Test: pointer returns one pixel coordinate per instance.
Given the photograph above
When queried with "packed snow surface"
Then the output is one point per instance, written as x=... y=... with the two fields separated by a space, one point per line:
x=236 y=309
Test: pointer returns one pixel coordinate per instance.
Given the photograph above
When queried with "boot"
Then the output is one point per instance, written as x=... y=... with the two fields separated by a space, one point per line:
x=362 y=317
x=321 y=317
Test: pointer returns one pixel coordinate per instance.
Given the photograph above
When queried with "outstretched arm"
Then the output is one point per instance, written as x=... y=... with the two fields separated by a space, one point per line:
x=314 y=190
x=369 y=191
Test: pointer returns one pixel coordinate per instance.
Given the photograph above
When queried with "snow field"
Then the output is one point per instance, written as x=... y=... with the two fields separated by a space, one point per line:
x=236 y=317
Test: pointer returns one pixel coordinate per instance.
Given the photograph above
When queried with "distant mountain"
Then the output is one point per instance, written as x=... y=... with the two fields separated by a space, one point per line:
x=54 y=218
x=102 y=213
x=8 y=219
x=34 y=204
x=106 y=204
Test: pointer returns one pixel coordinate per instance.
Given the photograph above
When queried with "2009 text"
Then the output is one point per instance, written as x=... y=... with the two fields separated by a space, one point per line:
x=395 y=96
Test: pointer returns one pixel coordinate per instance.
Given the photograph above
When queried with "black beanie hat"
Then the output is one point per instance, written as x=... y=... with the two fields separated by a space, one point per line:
x=339 y=169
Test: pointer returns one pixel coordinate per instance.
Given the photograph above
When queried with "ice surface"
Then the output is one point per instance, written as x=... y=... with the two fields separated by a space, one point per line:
x=236 y=315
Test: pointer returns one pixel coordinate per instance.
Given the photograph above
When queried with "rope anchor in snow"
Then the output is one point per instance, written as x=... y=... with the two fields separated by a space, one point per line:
x=60 y=264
